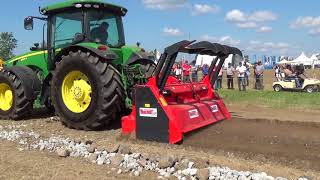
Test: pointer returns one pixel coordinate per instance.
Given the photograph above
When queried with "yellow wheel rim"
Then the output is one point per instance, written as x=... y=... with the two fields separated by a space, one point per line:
x=76 y=91
x=6 y=97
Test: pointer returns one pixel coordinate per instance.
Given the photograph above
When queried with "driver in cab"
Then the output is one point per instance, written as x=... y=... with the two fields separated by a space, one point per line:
x=100 y=34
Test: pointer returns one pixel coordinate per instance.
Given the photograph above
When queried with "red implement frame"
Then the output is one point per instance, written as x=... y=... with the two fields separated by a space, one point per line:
x=166 y=108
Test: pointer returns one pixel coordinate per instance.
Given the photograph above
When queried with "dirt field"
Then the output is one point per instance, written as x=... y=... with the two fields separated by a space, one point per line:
x=279 y=145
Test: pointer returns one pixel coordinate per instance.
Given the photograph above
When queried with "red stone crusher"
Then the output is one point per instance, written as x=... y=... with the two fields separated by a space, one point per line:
x=166 y=108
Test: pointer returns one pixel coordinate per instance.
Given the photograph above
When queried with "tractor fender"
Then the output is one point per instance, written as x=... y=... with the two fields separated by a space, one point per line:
x=104 y=54
x=138 y=56
x=29 y=79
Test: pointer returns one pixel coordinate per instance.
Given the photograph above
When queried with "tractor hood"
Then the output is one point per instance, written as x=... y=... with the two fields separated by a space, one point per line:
x=25 y=56
x=132 y=53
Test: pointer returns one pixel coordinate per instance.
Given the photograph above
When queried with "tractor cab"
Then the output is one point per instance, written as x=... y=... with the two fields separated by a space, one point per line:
x=93 y=22
x=166 y=108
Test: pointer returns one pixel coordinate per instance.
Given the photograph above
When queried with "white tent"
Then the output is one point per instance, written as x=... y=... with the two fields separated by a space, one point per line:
x=206 y=59
x=316 y=59
x=302 y=59
x=283 y=61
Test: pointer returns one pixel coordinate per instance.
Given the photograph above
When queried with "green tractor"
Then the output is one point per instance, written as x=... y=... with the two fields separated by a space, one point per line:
x=83 y=70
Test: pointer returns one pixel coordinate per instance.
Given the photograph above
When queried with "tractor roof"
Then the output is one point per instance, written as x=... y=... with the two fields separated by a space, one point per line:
x=68 y=4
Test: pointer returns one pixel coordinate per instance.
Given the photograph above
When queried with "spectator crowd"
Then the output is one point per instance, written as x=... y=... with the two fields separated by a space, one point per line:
x=190 y=72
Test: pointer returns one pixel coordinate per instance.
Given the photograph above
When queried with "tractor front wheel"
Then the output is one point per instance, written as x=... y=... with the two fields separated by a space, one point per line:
x=86 y=92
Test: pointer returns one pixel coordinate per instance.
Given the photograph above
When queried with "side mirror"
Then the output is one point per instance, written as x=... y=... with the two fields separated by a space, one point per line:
x=28 y=23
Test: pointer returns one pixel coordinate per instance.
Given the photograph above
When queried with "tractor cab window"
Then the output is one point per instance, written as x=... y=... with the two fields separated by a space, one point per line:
x=66 y=26
x=106 y=28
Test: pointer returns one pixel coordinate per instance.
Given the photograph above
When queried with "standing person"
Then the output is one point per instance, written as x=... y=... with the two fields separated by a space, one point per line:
x=241 y=69
x=174 y=67
x=277 y=73
x=259 y=75
x=289 y=73
x=247 y=74
x=230 y=73
x=178 y=72
x=194 y=72
x=255 y=75
x=186 y=68
x=219 y=80
x=205 y=69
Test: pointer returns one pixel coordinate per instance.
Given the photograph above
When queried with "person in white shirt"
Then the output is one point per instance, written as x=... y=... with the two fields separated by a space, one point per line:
x=230 y=73
x=241 y=70
x=178 y=72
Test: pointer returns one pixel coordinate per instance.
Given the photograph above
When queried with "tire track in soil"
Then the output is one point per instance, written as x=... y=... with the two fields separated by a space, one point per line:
x=289 y=143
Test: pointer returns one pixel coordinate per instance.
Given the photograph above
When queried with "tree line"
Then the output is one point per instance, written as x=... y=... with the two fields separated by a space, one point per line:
x=7 y=44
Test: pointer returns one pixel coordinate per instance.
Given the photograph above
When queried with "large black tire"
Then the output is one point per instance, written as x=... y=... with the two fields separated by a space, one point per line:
x=107 y=97
x=21 y=106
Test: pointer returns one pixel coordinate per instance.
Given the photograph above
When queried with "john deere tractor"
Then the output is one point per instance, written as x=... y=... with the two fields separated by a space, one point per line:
x=82 y=70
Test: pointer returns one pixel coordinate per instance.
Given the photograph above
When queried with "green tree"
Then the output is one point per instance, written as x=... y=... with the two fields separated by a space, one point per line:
x=7 y=44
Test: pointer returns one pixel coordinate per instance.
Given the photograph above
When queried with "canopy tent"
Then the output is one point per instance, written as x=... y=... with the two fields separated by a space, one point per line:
x=316 y=59
x=206 y=59
x=283 y=61
x=302 y=59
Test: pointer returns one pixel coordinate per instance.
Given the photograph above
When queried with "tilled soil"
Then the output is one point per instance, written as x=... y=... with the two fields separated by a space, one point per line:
x=281 y=148
x=291 y=143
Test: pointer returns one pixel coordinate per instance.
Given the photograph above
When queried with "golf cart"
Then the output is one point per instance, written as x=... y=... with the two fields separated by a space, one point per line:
x=308 y=85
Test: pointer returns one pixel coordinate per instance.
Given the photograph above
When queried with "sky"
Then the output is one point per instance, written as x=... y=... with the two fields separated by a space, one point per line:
x=264 y=27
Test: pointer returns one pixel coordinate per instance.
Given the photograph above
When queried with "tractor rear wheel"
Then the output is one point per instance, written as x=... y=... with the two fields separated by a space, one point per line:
x=13 y=101
x=86 y=92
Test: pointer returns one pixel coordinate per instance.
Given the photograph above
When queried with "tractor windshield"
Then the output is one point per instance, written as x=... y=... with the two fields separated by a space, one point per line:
x=66 y=26
x=106 y=28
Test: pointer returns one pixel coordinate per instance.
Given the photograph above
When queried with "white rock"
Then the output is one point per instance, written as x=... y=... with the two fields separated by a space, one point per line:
x=137 y=173
x=62 y=152
x=190 y=165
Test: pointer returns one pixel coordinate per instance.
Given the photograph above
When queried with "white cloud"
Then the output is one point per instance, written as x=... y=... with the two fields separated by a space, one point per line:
x=247 y=25
x=279 y=45
x=315 y=32
x=251 y=21
x=307 y=21
x=164 y=4
x=264 y=29
x=227 y=40
x=236 y=16
x=263 y=49
x=204 y=9
x=252 y=42
x=172 y=31
x=269 y=47
x=262 y=16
